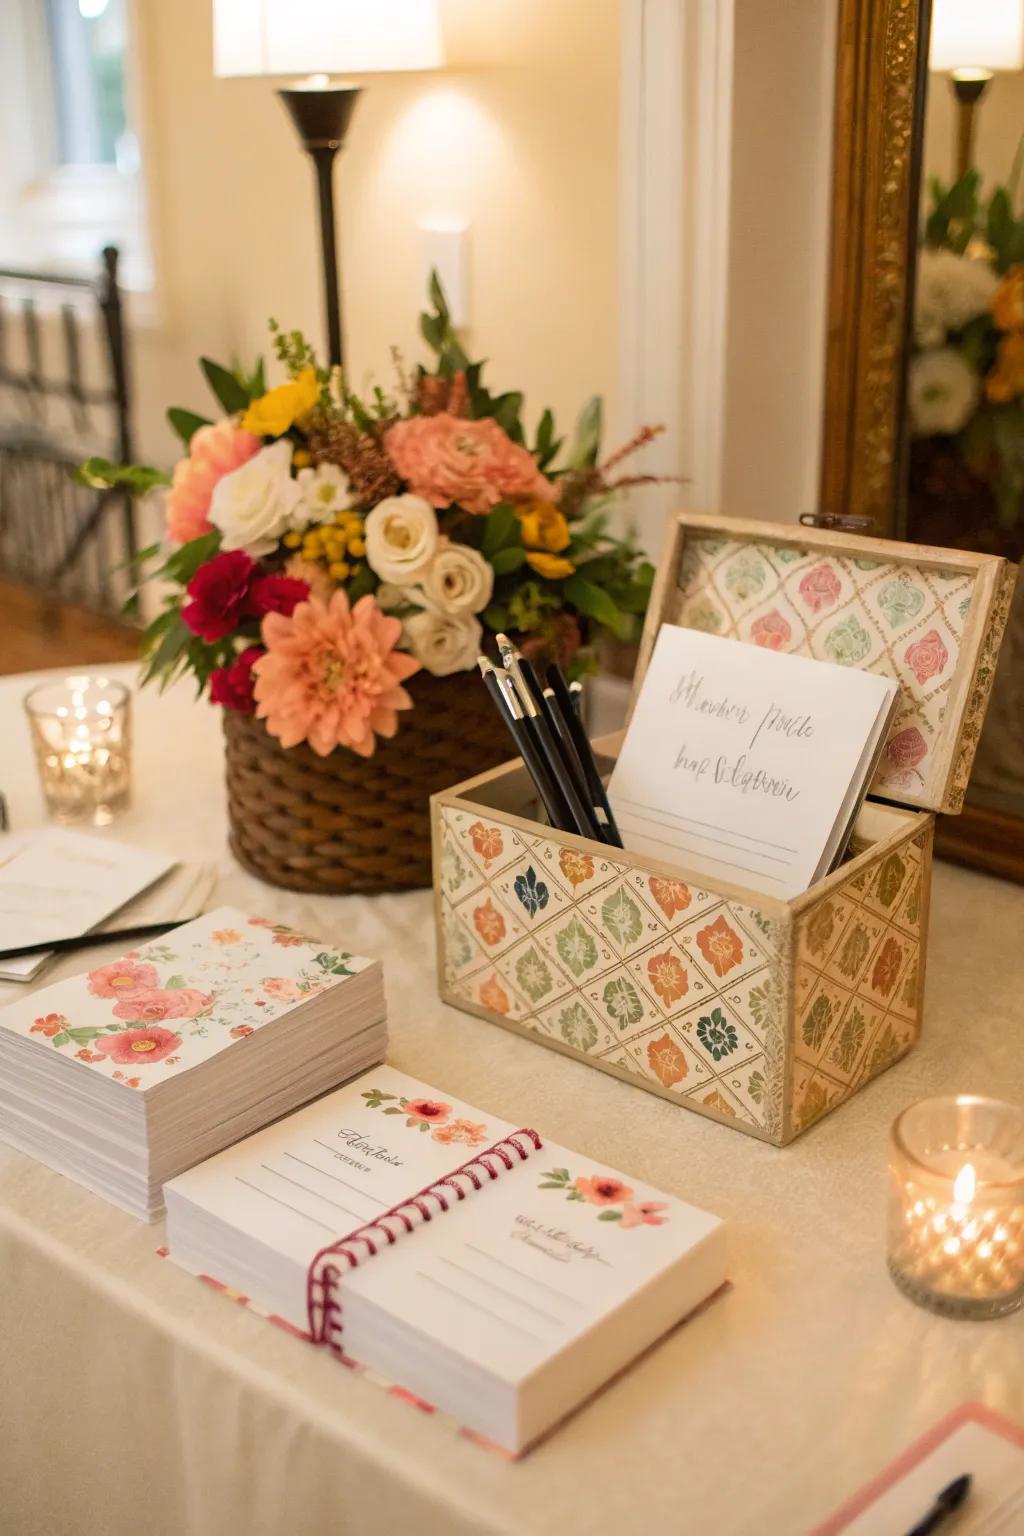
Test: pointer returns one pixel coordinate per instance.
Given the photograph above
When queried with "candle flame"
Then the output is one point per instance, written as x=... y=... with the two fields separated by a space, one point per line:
x=965 y=1185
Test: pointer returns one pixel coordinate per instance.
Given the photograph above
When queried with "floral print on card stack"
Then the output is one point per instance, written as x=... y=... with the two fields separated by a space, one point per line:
x=904 y=621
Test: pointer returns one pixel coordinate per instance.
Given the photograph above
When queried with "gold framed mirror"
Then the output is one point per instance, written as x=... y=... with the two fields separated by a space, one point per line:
x=926 y=245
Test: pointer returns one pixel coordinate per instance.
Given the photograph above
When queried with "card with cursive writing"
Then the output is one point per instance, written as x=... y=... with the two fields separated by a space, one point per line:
x=745 y=764
x=506 y=1308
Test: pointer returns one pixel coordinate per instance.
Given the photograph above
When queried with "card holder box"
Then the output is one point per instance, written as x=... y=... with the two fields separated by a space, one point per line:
x=762 y=1014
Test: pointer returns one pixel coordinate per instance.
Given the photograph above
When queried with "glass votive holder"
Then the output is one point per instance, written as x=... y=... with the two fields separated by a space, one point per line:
x=956 y=1205
x=81 y=733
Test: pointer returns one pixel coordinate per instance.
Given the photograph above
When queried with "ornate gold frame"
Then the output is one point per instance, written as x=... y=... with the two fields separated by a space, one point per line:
x=877 y=131
x=878 y=126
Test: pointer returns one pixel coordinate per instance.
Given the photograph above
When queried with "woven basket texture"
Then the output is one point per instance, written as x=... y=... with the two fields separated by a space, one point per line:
x=345 y=823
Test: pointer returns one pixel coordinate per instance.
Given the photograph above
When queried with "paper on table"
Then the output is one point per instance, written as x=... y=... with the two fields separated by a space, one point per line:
x=745 y=764
x=57 y=884
x=178 y=896
x=971 y=1439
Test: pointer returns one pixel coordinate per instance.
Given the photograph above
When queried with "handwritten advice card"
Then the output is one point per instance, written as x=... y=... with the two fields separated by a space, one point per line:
x=745 y=764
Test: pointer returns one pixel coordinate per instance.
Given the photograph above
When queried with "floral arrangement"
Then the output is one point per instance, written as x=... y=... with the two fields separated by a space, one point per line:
x=325 y=548
x=966 y=379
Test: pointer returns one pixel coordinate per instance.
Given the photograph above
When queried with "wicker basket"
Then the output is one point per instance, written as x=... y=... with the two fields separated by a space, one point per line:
x=346 y=823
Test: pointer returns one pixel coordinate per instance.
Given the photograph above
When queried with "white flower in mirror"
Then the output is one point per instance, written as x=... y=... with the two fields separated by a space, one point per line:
x=951 y=290
x=254 y=505
x=942 y=391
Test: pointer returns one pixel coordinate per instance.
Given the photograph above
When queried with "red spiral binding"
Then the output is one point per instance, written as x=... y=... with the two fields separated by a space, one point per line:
x=322 y=1303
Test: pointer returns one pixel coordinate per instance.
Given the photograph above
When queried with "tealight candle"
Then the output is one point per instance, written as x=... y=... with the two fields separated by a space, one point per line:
x=956 y=1205
x=81 y=732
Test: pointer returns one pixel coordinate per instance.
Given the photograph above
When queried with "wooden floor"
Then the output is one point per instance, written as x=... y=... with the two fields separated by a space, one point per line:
x=32 y=637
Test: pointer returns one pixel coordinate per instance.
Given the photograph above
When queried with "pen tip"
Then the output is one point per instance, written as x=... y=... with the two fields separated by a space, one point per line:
x=953 y=1496
x=485 y=665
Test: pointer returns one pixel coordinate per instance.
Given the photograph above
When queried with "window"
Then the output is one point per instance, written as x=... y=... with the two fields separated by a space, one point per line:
x=87 y=43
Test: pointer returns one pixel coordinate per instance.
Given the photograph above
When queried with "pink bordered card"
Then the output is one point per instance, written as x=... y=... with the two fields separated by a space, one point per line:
x=972 y=1439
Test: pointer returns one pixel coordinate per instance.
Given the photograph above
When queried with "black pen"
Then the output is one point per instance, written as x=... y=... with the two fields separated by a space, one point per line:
x=584 y=750
x=946 y=1504
x=83 y=940
x=582 y=818
x=506 y=701
x=576 y=695
x=563 y=733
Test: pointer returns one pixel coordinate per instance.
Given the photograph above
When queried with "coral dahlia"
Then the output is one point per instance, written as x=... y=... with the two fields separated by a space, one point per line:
x=332 y=676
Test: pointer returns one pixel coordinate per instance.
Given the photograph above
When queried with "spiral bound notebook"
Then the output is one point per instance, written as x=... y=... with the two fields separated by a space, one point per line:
x=487 y=1271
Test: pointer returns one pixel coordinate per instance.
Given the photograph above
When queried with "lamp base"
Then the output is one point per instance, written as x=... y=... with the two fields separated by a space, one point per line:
x=322 y=118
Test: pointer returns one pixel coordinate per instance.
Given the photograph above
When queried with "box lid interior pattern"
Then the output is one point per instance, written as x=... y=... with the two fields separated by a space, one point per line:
x=931 y=618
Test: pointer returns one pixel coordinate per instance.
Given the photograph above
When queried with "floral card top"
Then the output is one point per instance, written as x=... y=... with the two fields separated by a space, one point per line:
x=172 y=1004
x=891 y=617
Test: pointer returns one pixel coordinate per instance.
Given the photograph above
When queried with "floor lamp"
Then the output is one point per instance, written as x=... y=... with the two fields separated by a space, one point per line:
x=316 y=40
x=970 y=41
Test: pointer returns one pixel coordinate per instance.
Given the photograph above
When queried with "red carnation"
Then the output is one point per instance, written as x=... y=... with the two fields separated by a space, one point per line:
x=276 y=594
x=218 y=590
x=232 y=686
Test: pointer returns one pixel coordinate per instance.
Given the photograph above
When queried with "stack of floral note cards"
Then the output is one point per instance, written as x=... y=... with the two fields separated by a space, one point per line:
x=124 y=1076
x=466 y=1259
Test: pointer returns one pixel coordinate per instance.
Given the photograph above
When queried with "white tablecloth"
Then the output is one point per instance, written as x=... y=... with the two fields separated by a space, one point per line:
x=133 y=1398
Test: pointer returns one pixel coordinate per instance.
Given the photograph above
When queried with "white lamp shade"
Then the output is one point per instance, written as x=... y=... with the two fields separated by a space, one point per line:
x=977 y=34
x=306 y=37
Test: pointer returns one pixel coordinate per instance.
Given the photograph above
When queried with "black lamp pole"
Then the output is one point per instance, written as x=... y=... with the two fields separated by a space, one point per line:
x=322 y=118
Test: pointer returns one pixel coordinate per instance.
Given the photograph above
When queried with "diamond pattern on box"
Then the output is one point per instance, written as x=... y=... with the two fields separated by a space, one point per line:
x=877 y=615
x=669 y=982
x=856 y=978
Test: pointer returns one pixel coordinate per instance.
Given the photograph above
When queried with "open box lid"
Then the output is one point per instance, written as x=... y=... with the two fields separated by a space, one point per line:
x=931 y=618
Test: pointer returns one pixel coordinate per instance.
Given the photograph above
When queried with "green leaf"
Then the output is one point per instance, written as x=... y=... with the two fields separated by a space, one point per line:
x=101 y=475
x=501 y=527
x=506 y=414
x=999 y=227
x=495 y=618
x=82 y=1034
x=361 y=584
x=186 y=423
x=594 y=603
x=587 y=439
x=232 y=395
x=173 y=982
x=182 y=565
x=60 y=1039
x=506 y=560
x=438 y=297
x=610 y=1216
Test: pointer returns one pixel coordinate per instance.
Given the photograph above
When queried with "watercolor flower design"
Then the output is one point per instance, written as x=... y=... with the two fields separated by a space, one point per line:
x=771 y=631
x=488 y=922
x=720 y=945
x=926 y=657
x=486 y=840
x=668 y=977
x=576 y=867
x=905 y=751
x=819 y=587
x=431 y=1115
x=666 y=1061
x=613 y=1198
x=130 y=1046
x=123 y=979
x=493 y=995
x=49 y=1025
x=672 y=896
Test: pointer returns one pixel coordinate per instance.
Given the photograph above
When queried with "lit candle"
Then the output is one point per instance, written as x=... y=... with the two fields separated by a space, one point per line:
x=956 y=1205
x=81 y=731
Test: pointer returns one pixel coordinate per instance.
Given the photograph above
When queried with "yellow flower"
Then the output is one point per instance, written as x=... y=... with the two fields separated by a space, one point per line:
x=542 y=525
x=301 y=458
x=551 y=566
x=273 y=413
x=1006 y=381
x=1008 y=304
x=357 y=547
x=338 y=569
x=292 y=540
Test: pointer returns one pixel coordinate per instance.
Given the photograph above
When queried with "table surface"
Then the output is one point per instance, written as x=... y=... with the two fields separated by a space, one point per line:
x=759 y=1416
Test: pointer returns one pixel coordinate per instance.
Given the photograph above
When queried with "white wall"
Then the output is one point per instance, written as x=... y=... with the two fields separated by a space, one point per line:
x=783 y=92
x=518 y=137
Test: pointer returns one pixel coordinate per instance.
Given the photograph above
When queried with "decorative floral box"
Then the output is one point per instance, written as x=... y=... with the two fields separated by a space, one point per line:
x=759 y=1013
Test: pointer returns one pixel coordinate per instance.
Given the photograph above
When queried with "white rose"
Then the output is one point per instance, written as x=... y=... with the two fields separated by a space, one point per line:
x=325 y=492
x=458 y=580
x=942 y=391
x=444 y=642
x=253 y=505
x=951 y=290
x=401 y=537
